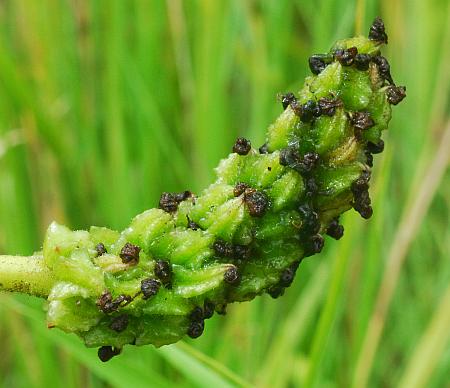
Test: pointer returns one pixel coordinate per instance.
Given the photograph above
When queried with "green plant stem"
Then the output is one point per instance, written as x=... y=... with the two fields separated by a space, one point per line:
x=26 y=274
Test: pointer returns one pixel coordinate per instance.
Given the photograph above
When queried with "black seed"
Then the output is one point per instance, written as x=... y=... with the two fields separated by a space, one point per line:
x=289 y=157
x=377 y=31
x=100 y=248
x=384 y=68
x=335 y=230
x=256 y=202
x=119 y=323
x=287 y=99
x=310 y=220
x=196 y=329
x=375 y=148
x=168 y=202
x=287 y=277
x=196 y=314
x=327 y=106
x=395 y=94
x=314 y=245
x=308 y=162
x=369 y=158
x=180 y=197
x=361 y=120
x=105 y=353
x=208 y=309
x=130 y=253
x=362 y=61
x=264 y=149
x=362 y=183
x=316 y=64
x=108 y=305
x=105 y=302
x=346 y=57
x=163 y=271
x=242 y=146
x=149 y=287
x=241 y=252
x=232 y=276
x=223 y=249
x=239 y=188
x=275 y=291
x=308 y=110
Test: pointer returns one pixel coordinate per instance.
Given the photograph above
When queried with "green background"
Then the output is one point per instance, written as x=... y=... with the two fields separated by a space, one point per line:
x=105 y=104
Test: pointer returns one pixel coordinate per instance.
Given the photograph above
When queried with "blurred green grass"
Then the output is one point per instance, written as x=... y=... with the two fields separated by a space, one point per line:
x=105 y=104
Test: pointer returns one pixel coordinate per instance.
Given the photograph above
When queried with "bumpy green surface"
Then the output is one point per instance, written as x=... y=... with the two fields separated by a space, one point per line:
x=227 y=244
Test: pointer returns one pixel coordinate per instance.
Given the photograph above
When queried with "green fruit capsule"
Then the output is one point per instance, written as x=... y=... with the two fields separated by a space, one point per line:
x=244 y=235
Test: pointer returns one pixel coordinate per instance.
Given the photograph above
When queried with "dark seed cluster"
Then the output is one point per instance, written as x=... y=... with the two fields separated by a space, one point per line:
x=169 y=201
x=377 y=31
x=286 y=279
x=107 y=304
x=232 y=276
x=130 y=253
x=242 y=146
x=230 y=251
x=105 y=353
x=163 y=271
x=360 y=190
x=101 y=249
x=362 y=61
x=384 y=69
x=197 y=324
x=240 y=188
x=304 y=164
x=150 y=287
x=346 y=57
x=328 y=106
x=119 y=323
x=335 y=229
x=395 y=94
x=264 y=149
x=256 y=202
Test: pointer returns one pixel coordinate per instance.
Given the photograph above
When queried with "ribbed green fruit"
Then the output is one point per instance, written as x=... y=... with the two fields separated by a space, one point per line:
x=243 y=236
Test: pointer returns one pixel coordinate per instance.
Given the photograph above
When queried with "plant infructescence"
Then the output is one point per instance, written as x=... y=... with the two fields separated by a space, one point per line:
x=243 y=236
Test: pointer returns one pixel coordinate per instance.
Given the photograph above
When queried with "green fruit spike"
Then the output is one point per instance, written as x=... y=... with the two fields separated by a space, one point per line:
x=243 y=236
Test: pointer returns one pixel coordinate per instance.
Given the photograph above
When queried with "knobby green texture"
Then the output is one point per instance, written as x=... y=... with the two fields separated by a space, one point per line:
x=244 y=235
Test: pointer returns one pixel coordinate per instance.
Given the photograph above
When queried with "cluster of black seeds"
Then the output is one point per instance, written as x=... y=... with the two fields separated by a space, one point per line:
x=361 y=198
x=256 y=202
x=150 y=287
x=107 y=304
x=130 y=254
x=169 y=201
x=231 y=251
x=105 y=353
x=163 y=271
x=335 y=229
x=311 y=109
x=232 y=276
x=242 y=146
x=240 y=188
x=303 y=164
x=360 y=121
x=119 y=323
x=377 y=31
x=197 y=324
x=286 y=279
x=100 y=249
